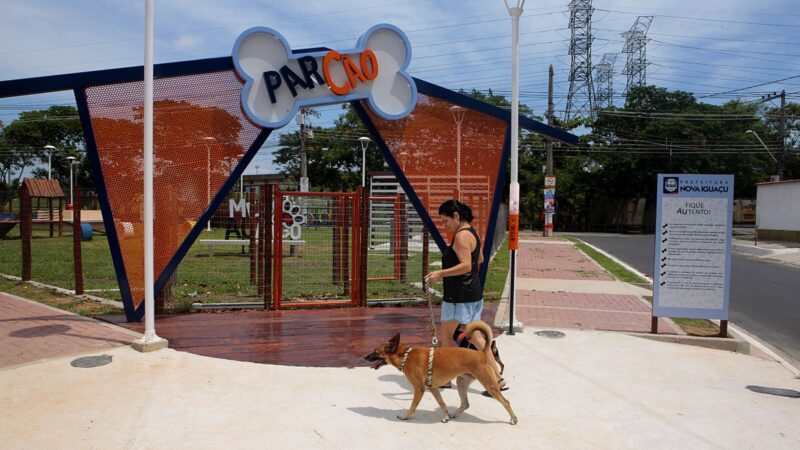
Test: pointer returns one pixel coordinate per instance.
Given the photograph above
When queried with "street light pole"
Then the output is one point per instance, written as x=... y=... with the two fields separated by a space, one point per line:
x=513 y=198
x=458 y=116
x=50 y=150
x=71 y=160
x=150 y=341
x=364 y=144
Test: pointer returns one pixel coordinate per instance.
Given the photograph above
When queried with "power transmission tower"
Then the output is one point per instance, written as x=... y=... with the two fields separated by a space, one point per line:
x=580 y=98
x=604 y=81
x=636 y=48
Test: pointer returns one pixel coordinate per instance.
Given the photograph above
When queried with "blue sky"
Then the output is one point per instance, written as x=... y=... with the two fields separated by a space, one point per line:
x=708 y=47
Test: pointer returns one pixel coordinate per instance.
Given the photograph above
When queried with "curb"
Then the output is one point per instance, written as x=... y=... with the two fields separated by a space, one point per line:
x=732 y=344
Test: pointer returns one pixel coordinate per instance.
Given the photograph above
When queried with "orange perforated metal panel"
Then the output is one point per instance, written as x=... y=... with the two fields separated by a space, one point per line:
x=443 y=160
x=200 y=134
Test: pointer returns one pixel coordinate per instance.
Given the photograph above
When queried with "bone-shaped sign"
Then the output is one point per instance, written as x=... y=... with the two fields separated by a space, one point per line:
x=279 y=82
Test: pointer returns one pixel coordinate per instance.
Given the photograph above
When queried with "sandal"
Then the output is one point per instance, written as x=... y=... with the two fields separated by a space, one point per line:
x=503 y=387
x=448 y=385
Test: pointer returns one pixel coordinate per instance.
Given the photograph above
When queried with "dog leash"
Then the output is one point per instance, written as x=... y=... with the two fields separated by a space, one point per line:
x=432 y=326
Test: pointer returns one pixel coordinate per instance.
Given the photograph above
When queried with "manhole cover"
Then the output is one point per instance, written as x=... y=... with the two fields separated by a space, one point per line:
x=550 y=334
x=91 y=361
x=774 y=391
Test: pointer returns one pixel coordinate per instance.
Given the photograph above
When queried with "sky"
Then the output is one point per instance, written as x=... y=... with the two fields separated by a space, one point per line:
x=717 y=49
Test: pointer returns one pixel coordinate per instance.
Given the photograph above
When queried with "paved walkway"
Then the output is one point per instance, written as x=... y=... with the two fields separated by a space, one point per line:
x=560 y=287
x=31 y=331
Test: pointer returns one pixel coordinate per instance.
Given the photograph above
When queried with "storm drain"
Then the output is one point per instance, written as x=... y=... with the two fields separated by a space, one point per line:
x=550 y=334
x=774 y=391
x=87 y=362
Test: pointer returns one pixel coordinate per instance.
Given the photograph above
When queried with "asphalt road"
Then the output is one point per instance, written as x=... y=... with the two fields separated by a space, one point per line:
x=764 y=296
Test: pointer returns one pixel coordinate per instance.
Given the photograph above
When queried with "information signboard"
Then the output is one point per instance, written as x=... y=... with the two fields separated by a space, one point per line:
x=693 y=246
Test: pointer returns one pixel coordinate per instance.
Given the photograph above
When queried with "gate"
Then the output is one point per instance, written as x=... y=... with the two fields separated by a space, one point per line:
x=316 y=249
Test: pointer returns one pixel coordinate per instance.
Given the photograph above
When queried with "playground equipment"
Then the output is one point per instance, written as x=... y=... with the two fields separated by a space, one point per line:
x=49 y=189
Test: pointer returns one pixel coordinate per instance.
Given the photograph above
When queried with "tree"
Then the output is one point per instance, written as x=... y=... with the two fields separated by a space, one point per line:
x=23 y=142
x=338 y=166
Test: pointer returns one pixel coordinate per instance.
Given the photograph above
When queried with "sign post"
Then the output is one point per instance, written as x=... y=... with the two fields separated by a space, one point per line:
x=549 y=204
x=693 y=247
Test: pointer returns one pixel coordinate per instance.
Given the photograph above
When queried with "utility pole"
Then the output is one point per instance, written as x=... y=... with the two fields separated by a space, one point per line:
x=781 y=128
x=782 y=137
x=301 y=118
x=548 y=218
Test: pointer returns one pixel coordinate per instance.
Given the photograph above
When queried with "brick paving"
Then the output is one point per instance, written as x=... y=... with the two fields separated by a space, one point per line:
x=543 y=259
x=585 y=311
x=30 y=332
x=548 y=258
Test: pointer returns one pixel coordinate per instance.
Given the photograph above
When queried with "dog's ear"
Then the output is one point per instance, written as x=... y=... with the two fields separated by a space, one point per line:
x=394 y=342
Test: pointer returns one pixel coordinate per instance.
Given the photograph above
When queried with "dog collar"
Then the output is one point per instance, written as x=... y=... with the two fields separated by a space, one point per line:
x=405 y=358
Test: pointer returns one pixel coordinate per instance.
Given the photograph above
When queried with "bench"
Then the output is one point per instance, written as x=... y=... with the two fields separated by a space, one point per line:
x=245 y=243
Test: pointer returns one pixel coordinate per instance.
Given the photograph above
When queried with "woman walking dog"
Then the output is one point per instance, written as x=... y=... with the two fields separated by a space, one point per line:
x=462 y=302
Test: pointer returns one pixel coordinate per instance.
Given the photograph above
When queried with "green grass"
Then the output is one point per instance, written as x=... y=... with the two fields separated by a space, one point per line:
x=497 y=274
x=49 y=297
x=619 y=272
x=695 y=327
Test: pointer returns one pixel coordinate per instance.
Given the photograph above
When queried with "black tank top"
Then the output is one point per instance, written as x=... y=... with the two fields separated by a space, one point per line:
x=464 y=288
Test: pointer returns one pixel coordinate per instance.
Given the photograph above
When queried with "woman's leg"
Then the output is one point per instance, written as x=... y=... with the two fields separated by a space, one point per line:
x=446 y=333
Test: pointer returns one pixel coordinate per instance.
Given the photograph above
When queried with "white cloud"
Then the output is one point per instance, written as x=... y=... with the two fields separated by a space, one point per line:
x=188 y=41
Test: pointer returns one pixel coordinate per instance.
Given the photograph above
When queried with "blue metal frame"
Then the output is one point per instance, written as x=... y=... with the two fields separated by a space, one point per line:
x=79 y=82
x=105 y=205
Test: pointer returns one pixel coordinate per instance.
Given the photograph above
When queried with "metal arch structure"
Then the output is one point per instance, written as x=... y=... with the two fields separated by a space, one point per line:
x=604 y=81
x=636 y=49
x=580 y=98
x=83 y=84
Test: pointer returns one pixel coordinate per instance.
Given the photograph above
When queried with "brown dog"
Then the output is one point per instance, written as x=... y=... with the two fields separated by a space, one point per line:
x=448 y=363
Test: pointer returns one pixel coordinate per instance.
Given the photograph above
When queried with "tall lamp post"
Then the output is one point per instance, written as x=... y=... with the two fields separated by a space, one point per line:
x=208 y=177
x=71 y=160
x=513 y=198
x=50 y=149
x=762 y=143
x=458 y=116
x=364 y=144
x=150 y=341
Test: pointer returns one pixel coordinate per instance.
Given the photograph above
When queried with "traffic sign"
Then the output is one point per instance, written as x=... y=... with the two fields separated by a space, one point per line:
x=549 y=182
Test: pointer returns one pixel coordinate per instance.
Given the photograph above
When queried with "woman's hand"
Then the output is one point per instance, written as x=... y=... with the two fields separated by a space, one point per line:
x=433 y=277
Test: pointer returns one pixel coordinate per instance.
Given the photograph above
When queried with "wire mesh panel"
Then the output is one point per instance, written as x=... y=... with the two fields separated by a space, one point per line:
x=200 y=135
x=316 y=249
x=448 y=152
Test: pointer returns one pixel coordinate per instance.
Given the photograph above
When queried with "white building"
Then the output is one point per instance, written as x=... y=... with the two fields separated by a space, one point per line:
x=778 y=210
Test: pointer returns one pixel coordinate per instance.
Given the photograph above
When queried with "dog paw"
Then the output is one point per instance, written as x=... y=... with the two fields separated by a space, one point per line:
x=445 y=419
x=513 y=421
x=452 y=416
x=402 y=417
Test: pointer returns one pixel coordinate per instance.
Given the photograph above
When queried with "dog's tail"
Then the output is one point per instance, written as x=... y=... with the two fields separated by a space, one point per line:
x=487 y=334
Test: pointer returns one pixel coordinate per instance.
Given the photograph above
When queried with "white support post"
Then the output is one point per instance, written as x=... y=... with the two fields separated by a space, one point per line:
x=150 y=340
x=515 y=12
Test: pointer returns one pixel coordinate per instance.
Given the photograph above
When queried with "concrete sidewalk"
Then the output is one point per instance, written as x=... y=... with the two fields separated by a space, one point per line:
x=588 y=390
